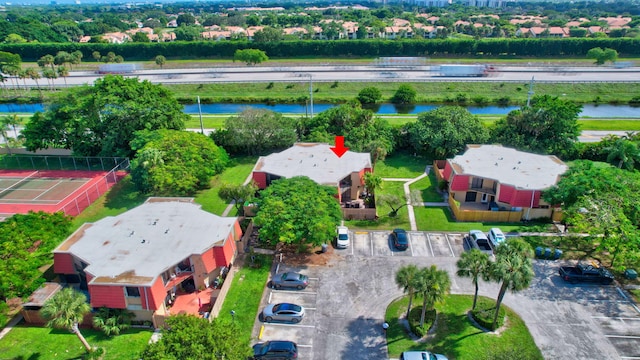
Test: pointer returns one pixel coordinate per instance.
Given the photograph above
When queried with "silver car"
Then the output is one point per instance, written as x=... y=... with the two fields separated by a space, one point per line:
x=290 y=280
x=283 y=312
x=421 y=355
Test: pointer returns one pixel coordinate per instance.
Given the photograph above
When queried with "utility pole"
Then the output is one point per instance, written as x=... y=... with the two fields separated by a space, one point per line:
x=530 y=92
x=311 y=94
x=200 y=112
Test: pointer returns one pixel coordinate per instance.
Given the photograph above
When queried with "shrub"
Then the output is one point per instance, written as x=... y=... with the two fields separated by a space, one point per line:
x=461 y=98
x=480 y=100
x=270 y=86
x=112 y=321
x=414 y=321
x=505 y=100
x=369 y=95
x=405 y=94
x=334 y=85
x=484 y=312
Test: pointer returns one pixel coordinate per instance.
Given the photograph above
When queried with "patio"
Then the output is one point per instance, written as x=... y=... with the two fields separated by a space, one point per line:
x=196 y=303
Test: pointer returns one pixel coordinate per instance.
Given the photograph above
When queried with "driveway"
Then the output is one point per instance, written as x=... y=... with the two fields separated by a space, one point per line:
x=348 y=297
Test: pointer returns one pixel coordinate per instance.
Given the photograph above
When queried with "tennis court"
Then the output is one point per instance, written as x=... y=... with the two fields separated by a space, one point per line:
x=22 y=191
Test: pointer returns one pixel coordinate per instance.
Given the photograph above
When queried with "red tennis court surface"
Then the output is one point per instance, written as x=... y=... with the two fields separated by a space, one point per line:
x=71 y=192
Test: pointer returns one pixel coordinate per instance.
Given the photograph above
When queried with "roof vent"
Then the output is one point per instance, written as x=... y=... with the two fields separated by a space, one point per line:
x=514 y=168
x=496 y=164
x=519 y=162
x=143 y=241
x=166 y=231
x=132 y=232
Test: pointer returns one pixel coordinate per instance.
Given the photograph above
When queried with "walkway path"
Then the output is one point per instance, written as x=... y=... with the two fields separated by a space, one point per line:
x=16 y=319
x=230 y=207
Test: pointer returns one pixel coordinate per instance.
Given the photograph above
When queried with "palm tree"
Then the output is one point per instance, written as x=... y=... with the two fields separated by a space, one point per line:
x=432 y=284
x=112 y=321
x=405 y=279
x=372 y=182
x=625 y=152
x=13 y=71
x=13 y=120
x=65 y=310
x=24 y=74
x=513 y=268
x=34 y=75
x=474 y=264
x=4 y=128
x=50 y=75
x=64 y=72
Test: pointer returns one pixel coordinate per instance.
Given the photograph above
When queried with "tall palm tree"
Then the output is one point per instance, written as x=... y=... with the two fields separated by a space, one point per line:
x=34 y=75
x=624 y=152
x=24 y=74
x=432 y=284
x=4 y=129
x=13 y=120
x=474 y=264
x=372 y=182
x=46 y=60
x=13 y=71
x=65 y=310
x=64 y=72
x=50 y=75
x=405 y=279
x=513 y=268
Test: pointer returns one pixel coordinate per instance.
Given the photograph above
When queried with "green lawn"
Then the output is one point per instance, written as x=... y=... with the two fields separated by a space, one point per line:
x=245 y=294
x=208 y=121
x=457 y=338
x=441 y=219
x=425 y=190
x=401 y=165
x=236 y=173
x=384 y=220
x=26 y=342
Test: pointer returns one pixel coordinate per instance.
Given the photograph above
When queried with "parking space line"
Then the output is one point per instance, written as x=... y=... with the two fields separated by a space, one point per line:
x=309 y=308
x=615 y=318
x=290 y=325
x=429 y=242
x=629 y=357
x=305 y=346
x=627 y=298
x=623 y=336
x=410 y=247
x=295 y=292
x=449 y=243
x=371 y=243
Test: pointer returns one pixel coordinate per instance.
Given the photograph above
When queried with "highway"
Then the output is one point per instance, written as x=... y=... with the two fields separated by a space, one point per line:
x=360 y=73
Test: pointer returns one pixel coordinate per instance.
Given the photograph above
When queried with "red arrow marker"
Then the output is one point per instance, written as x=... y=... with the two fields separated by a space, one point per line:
x=339 y=149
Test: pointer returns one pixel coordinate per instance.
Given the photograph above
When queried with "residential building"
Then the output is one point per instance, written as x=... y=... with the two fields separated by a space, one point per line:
x=319 y=163
x=145 y=259
x=490 y=179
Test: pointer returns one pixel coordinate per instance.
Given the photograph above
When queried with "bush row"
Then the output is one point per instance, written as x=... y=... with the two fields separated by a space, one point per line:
x=484 y=313
x=526 y=47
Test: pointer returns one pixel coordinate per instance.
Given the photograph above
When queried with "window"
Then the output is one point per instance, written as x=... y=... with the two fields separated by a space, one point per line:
x=476 y=183
x=132 y=291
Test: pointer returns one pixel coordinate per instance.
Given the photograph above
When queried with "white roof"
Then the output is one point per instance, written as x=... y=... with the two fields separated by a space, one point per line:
x=140 y=244
x=509 y=166
x=314 y=160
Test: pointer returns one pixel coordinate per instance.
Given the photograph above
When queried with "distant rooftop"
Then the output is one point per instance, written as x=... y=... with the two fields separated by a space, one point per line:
x=509 y=166
x=138 y=245
x=315 y=161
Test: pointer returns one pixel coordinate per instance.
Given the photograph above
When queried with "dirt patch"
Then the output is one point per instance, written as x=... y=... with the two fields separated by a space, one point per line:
x=313 y=255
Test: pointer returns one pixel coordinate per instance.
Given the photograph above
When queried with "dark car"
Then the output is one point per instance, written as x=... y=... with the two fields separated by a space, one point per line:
x=290 y=280
x=400 y=239
x=275 y=350
x=283 y=312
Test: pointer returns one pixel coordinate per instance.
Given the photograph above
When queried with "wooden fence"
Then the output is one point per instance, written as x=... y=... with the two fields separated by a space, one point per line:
x=483 y=215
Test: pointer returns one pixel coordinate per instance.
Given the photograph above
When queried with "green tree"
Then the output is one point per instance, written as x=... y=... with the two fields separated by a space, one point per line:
x=46 y=60
x=188 y=33
x=372 y=182
x=14 y=39
x=445 y=131
x=112 y=321
x=284 y=216
x=602 y=56
x=160 y=61
x=369 y=95
x=250 y=56
x=623 y=153
x=395 y=202
x=64 y=72
x=189 y=337
x=268 y=34
x=186 y=20
x=65 y=310
x=62 y=57
x=406 y=279
x=140 y=37
x=549 y=125
x=432 y=285
x=4 y=130
x=111 y=111
x=238 y=194
x=405 y=94
x=76 y=58
x=474 y=264
x=513 y=269
x=256 y=131
x=96 y=55
x=187 y=162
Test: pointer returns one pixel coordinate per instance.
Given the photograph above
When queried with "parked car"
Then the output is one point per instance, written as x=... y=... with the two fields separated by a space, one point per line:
x=283 y=312
x=496 y=236
x=275 y=350
x=480 y=241
x=342 y=239
x=421 y=355
x=400 y=239
x=586 y=273
x=290 y=280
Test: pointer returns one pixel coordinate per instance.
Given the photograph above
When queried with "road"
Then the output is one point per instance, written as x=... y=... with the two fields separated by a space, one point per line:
x=356 y=73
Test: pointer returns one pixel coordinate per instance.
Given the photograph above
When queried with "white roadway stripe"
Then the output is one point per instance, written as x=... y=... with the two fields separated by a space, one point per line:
x=623 y=336
x=371 y=243
x=429 y=242
x=629 y=357
x=615 y=318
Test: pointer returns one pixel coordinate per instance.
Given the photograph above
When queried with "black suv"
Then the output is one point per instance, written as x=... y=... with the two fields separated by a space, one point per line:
x=400 y=239
x=275 y=350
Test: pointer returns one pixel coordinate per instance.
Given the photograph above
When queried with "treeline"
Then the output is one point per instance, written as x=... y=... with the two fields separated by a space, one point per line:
x=322 y=48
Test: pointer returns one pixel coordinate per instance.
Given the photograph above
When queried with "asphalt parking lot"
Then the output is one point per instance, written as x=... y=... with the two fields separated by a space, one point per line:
x=347 y=298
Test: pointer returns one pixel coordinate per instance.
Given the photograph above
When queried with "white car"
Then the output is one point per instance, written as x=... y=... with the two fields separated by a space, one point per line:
x=342 y=239
x=421 y=355
x=496 y=236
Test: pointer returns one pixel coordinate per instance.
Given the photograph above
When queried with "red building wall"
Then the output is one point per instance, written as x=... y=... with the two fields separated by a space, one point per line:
x=446 y=173
x=224 y=254
x=506 y=193
x=63 y=263
x=209 y=260
x=522 y=198
x=261 y=179
x=108 y=296
x=459 y=183
x=156 y=294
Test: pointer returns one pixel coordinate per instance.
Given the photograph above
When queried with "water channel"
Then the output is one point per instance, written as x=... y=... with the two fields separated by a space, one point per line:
x=592 y=111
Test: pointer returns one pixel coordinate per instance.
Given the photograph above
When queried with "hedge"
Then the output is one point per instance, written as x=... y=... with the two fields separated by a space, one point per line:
x=526 y=47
